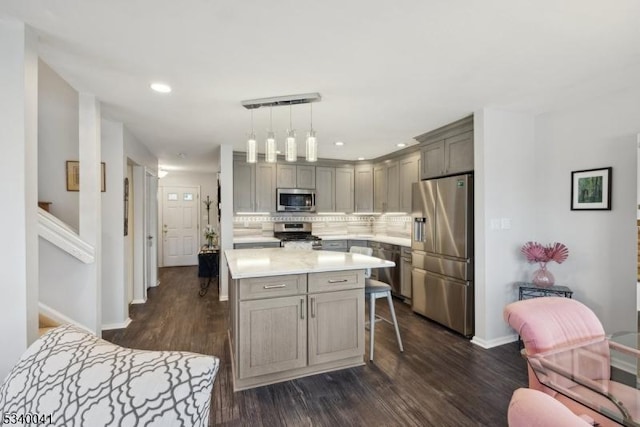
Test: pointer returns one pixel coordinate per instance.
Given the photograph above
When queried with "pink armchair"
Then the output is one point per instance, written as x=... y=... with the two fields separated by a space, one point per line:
x=532 y=408
x=551 y=323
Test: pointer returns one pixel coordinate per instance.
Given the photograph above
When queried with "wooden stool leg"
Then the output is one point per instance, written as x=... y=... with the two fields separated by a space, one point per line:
x=372 y=323
x=395 y=321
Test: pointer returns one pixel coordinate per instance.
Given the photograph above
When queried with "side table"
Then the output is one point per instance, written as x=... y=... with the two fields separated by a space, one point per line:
x=207 y=267
x=531 y=290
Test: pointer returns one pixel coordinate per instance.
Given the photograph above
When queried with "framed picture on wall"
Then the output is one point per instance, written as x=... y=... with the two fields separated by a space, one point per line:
x=73 y=176
x=591 y=189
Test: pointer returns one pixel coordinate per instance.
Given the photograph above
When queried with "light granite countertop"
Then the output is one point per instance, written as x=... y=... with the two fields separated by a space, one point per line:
x=245 y=263
x=254 y=239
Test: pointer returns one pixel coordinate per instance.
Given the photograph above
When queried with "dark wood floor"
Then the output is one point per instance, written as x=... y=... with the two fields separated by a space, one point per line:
x=441 y=379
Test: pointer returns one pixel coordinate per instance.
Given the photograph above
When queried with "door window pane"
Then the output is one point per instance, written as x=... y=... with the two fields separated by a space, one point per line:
x=172 y=196
x=187 y=197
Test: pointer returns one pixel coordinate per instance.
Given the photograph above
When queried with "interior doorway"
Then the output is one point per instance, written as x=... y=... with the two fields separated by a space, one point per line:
x=180 y=225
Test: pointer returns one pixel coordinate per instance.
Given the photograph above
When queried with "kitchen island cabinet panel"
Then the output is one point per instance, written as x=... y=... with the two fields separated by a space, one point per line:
x=273 y=335
x=336 y=326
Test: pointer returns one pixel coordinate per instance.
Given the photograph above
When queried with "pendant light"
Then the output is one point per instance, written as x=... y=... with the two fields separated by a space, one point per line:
x=312 y=141
x=270 y=143
x=252 y=155
x=290 y=147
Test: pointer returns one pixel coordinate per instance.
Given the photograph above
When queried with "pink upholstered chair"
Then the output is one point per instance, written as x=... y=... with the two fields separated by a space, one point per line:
x=551 y=323
x=533 y=408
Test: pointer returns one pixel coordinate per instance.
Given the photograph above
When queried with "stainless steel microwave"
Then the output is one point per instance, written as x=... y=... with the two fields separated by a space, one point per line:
x=295 y=200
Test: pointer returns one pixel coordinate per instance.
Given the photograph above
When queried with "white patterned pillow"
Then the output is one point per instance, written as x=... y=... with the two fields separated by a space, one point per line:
x=69 y=377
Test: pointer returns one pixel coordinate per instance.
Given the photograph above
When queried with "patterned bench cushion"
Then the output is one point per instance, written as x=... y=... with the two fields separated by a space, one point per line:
x=80 y=380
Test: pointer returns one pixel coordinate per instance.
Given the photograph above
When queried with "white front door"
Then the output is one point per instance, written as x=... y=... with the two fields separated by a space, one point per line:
x=180 y=231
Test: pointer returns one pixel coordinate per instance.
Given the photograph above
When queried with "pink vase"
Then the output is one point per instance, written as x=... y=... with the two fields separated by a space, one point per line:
x=543 y=277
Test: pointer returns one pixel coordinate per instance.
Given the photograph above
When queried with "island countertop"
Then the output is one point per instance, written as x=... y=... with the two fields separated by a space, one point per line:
x=245 y=263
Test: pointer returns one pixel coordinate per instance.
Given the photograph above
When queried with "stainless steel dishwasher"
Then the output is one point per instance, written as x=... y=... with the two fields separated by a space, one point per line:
x=390 y=275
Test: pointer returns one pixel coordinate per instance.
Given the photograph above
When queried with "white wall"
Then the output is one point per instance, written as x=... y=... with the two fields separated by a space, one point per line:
x=57 y=143
x=226 y=214
x=505 y=177
x=115 y=311
x=18 y=186
x=140 y=157
x=208 y=184
x=601 y=268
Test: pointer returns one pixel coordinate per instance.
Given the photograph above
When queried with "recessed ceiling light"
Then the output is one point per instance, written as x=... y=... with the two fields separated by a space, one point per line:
x=360 y=158
x=161 y=87
x=402 y=144
x=339 y=143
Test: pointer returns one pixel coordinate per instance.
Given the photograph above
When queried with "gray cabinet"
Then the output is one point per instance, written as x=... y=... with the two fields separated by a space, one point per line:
x=285 y=327
x=334 y=245
x=344 y=190
x=244 y=186
x=265 y=187
x=286 y=176
x=256 y=245
x=363 y=188
x=379 y=187
x=386 y=186
x=409 y=173
x=336 y=326
x=295 y=176
x=449 y=156
x=325 y=189
x=305 y=176
x=393 y=186
x=458 y=152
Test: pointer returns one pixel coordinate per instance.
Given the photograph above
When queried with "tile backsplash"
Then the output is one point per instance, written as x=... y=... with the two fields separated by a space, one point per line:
x=326 y=225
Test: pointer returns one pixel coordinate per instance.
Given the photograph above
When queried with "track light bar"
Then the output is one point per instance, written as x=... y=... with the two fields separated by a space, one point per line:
x=278 y=101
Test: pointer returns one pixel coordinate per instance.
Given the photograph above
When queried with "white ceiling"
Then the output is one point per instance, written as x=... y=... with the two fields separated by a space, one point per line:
x=387 y=71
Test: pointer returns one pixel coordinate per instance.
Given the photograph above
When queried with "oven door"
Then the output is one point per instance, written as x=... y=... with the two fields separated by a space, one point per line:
x=295 y=200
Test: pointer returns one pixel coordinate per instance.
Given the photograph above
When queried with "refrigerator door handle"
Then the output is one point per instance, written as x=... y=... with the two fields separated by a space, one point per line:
x=419 y=229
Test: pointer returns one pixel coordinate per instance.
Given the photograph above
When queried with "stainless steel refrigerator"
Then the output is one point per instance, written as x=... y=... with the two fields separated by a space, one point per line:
x=442 y=251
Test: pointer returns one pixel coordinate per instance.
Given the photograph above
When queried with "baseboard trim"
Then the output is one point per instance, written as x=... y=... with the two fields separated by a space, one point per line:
x=138 y=301
x=121 y=325
x=486 y=344
x=58 y=317
x=223 y=298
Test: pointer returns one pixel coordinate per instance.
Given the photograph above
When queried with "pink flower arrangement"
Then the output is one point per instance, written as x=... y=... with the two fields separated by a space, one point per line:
x=536 y=252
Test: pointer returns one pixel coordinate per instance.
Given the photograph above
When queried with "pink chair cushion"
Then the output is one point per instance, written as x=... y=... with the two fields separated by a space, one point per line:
x=532 y=408
x=552 y=322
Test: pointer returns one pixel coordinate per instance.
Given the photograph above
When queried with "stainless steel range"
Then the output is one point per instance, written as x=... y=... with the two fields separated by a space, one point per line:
x=296 y=235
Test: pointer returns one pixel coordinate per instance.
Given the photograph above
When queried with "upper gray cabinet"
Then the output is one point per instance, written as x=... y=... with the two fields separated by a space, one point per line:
x=325 y=189
x=379 y=187
x=344 y=190
x=244 y=186
x=295 y=176
x=363 y=188
x=306 y=176
x=447 y=150
x=386 y=186
x=265 y=187
x=409 y=173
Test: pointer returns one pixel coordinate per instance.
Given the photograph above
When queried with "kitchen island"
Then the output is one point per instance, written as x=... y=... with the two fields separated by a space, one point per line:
x=295 y=312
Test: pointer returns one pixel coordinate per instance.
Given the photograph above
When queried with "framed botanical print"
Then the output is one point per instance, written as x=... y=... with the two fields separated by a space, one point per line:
x=591 y=189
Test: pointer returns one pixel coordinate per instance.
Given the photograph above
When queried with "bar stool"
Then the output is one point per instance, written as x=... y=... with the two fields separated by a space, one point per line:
x=374 y=289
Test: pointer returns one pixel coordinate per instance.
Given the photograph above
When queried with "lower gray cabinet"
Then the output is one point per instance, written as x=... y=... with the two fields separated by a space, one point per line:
x=334 y=245
x=256 y=245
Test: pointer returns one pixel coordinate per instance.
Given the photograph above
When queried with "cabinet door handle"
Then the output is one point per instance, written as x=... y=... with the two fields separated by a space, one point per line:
x=337 y=281
x=302 y=309
x=313 y=307
x=282 y=285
